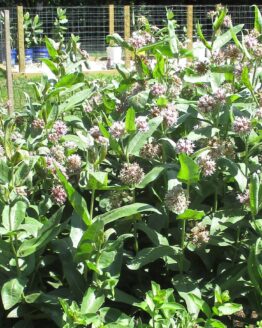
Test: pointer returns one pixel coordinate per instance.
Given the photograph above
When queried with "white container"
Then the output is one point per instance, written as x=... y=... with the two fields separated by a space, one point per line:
x=114 y=55
x=199 y=50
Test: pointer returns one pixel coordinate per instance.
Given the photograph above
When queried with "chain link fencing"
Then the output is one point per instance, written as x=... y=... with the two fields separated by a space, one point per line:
x=91 y=23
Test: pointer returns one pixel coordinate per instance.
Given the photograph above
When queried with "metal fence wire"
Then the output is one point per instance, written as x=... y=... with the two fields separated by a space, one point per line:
x=91 y=23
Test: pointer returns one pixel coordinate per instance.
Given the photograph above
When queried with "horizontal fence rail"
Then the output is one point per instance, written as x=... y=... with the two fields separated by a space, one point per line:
x=93 y=23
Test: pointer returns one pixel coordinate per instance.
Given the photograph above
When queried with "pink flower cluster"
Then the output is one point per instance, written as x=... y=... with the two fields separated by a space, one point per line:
x=170 y=115
x=59 y=130
x=140 y=39
x=142 y=124
x=185 y=146
x=38 y=123
x=158 y=89
x=206 y=103
x=242 y=125
x=74 y=163
x=117 y=129
x=207 y=165
x=96 y=134
x=131 y=173
x=59 y=195
x=244 y=197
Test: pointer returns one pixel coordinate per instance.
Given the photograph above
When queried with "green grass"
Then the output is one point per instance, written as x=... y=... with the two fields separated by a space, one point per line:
x=21 y=87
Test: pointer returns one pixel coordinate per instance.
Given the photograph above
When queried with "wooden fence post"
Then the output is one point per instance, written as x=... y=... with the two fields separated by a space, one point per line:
x=9 y=78
x=111 y=19
x=127 y=33
x=21 y=40
x=190 y=26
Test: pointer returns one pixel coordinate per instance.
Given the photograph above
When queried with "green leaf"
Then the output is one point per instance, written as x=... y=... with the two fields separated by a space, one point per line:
x=140 y=138
x=151 y=176
x=90 y=240
x=155 y=237
x=74 y=100
x=255 y=265
x=191 y=215
x=75 y=280
x=76 y=200
x=123 y=297
x=92 y=301
x=185 y=285
x=118 y=40
x=151 y=254
x=4 y=172
x=201 y=304
x=245 y=78
x=197 y=79
x=172 y=37
x=226 y=37
x=48 y=232
x=214 y=323
x=23 y=171
x=126 y=211
x=130 y=120
x=201 y=37
x=234 y=171
x=69 y=79
x=50 y=45
x=206 y=132
x=219 y=19
x=139 y=100
x=12 y=292
x=254 y=193
x=228 y=309
x=77 y=228
x=189 y=170
x=77 y=140
x=51 y=65
x=14 y=215
x=258 y=19
x=97 y=180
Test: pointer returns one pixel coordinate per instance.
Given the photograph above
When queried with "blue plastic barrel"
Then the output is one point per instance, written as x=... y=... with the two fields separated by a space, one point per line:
x=29 y=55
x=13 y=57
x=40 y=52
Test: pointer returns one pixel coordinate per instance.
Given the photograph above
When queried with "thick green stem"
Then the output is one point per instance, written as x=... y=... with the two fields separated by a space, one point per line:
x=15 y=255
x=215 y=201
x=13 y=245
x=183 y=235
x=92 y=204
x=136 y=247
x=246 y=156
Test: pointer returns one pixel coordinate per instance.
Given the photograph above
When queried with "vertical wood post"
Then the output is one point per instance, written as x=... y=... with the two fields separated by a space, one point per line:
x=190 y=26
x=111 y=19
x=21 y=39
x=127 y=33
x=9 y=78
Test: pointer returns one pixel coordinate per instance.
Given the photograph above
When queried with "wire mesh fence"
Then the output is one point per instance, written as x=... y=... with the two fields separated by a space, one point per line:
x=91 y=23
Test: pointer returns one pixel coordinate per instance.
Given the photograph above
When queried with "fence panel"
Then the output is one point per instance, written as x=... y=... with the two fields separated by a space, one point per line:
x=91 y=23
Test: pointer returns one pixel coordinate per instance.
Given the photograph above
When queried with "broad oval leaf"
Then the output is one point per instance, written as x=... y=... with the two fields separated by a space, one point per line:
x=14 y=215
x=44 y=236
x=76 y=200
x=255 y=265
x=140 y=138
x=12 y=292
x=151 y=254
x=126 y=211
x=189 y=170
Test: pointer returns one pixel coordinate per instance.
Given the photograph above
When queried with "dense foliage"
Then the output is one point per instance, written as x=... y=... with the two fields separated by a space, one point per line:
x=137 y=203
